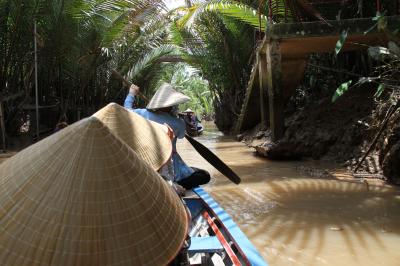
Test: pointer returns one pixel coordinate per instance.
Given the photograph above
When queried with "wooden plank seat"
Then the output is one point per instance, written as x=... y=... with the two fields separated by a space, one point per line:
x=205 y=244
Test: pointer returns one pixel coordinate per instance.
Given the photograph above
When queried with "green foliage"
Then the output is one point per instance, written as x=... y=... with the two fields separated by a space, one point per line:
x=341 y=41
x=380 y=22
x=346 y=86
x=192 y=85
x=188 y=81
x=386 y=71
x=341 y=90
x=378 y=53
x=148 y=61
x=233 y=9
x=379 y=90
x=239 y=11
x=79 y=43
x=220 y=44
x=82 y=41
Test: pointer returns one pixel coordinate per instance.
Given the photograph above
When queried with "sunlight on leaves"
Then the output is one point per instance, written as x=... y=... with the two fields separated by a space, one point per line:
x=379 y=90
x=378 y=52
x=341 y=90
x=394 y=48
x=363 y=80
x=340 y=42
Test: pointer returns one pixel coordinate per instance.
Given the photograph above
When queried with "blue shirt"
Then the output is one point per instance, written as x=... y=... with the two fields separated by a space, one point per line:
x=178 y=126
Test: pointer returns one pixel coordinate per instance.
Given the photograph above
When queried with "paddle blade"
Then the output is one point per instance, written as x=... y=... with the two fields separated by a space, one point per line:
x=214 y=160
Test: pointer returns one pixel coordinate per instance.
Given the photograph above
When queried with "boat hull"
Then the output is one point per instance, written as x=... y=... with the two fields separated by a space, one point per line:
x=216 y=236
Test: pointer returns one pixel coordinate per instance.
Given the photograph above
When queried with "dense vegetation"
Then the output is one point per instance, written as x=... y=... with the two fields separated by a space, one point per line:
x=77 y=49
x=80 y=43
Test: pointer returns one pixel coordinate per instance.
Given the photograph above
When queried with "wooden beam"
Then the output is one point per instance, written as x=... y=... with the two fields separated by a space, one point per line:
x=275 y=93
x=250 y=113
x=292 y=74
x=318 y=37
x=299 y=47
x=263 y=84
x=357 y=26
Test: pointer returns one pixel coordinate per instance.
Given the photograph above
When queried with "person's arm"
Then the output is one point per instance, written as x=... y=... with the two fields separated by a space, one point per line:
x=130 y=98
x=181 y=129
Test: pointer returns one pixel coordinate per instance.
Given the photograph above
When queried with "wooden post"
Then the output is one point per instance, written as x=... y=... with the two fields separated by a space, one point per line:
x=275 y=93
x=36 y=84
x=263 y=84
x=3 y=127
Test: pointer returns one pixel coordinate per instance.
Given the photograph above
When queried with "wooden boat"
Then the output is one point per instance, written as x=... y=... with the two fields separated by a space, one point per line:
x=214 y=238
x=193 y=126
x=194 y=132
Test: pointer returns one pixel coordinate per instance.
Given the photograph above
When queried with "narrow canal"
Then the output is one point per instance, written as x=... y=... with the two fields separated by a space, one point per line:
x=296 y=218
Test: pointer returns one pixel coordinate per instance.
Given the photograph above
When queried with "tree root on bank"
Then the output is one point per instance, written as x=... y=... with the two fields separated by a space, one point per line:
x=391 y=111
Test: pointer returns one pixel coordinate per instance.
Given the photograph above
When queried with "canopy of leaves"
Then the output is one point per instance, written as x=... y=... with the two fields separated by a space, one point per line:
x=79 y=42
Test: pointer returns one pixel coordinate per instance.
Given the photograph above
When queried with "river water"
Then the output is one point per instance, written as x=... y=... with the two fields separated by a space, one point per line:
x=294 y=217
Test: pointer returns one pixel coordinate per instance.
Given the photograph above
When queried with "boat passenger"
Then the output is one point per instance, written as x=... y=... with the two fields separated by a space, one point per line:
x=163 y=109
x=193 y=125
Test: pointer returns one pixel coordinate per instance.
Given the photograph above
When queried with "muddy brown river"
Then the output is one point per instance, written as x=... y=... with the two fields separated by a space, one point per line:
x=294 y=217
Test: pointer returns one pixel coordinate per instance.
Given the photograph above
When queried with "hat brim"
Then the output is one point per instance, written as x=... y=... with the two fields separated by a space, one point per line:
x=166 y=96
x=149 y=139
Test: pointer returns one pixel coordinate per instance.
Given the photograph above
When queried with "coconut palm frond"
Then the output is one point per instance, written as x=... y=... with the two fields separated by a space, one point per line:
x=239 y=11
x=234 y=9
x=150 y=59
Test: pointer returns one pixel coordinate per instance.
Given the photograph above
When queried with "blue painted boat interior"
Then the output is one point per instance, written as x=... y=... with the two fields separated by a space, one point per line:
x=244 y=243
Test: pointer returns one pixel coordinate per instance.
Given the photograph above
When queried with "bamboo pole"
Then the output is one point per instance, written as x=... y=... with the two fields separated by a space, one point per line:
x=128 y=84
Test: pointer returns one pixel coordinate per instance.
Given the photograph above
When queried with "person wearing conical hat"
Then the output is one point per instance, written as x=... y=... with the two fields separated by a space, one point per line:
x=188 y=111
x=148 y=139
x=84 y=197
x=162 y=109
x=191 y=120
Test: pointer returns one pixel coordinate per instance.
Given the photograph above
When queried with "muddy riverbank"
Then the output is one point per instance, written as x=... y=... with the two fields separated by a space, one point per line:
x=341 y=132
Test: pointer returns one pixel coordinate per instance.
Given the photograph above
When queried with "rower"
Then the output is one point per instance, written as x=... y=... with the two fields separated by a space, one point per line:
x=163 y=109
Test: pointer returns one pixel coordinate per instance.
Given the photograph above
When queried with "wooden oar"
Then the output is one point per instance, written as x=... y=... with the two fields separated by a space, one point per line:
x=213 y=160
x=200 y=148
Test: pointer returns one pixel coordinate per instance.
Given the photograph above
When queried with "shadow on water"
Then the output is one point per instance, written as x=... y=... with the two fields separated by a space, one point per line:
x=296 y=209
x=298 y=220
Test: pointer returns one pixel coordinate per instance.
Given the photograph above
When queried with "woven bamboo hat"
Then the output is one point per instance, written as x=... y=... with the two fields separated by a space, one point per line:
x=148 y=139
x=188 y=111
x=166 y=96
x=83 y=197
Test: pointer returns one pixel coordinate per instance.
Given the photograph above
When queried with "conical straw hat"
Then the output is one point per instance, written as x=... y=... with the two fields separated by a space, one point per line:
x=166 y=96
x=83 y=197
x=188 y=111
x=148 y=139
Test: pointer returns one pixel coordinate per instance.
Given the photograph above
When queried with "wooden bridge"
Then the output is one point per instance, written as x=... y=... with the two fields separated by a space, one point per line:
x=282 y=58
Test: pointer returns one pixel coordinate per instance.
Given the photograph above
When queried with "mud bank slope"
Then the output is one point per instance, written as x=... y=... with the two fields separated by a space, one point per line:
x=340 y=131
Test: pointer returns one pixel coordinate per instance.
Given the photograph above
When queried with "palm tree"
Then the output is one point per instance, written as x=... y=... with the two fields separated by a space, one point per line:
x=218 y=40
x=80 y=43
x=219 y=37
